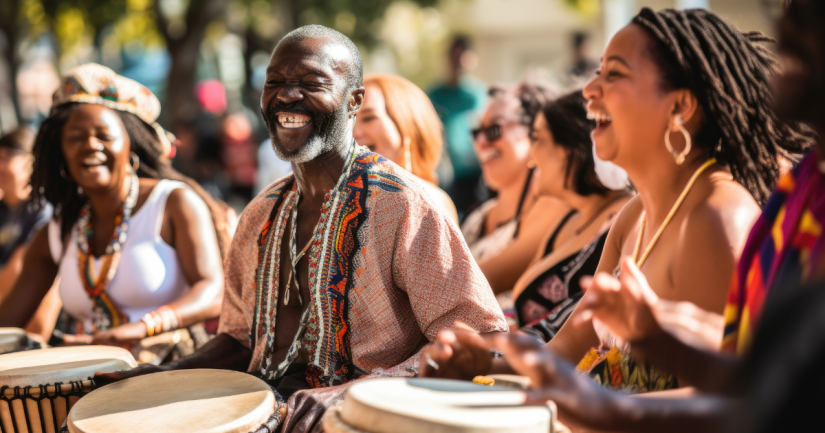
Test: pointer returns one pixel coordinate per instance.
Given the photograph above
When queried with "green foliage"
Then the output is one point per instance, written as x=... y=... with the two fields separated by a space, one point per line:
x=354 y=18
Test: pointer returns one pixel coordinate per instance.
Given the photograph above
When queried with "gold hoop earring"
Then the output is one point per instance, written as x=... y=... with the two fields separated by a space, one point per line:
x=679 y=156
x=135 y=160
x=407 y=154
x=63 y=174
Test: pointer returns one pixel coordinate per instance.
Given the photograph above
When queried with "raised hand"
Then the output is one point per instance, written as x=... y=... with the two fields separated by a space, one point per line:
x=456 y=354
x=625 y=306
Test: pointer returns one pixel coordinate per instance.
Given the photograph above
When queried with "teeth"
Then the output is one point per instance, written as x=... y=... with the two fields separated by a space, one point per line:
x=95 y=159
x=293 y=120
x=598 y=117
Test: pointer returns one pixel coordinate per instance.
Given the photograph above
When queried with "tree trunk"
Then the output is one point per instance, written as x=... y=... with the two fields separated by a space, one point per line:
x=10 y=26
x=183 y=51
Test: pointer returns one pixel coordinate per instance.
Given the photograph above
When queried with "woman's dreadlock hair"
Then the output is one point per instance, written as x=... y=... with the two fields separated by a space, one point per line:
x=730 y=75
x=49 y=165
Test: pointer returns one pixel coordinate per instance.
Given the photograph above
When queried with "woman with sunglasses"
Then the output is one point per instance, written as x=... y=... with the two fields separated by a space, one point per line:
x=701 y=143
x=504 y=233
x=399 y=122
x=137 y=246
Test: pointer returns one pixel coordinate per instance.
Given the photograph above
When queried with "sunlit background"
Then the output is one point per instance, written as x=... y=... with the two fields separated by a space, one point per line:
x=205 y=59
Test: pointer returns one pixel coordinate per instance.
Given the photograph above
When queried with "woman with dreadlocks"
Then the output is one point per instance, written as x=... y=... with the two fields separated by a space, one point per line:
x=137 y=246
x=682 y=102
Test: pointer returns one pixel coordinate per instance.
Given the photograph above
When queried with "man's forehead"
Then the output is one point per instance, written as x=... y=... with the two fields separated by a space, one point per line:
x=314 y=54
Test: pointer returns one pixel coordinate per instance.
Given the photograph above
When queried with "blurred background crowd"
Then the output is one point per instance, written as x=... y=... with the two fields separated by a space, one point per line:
x=206 y=61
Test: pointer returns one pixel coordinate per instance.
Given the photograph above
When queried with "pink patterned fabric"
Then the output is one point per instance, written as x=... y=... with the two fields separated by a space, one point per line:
x=413 y=276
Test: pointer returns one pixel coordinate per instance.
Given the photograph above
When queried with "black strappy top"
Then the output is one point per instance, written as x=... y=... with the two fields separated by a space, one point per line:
x=546 y=303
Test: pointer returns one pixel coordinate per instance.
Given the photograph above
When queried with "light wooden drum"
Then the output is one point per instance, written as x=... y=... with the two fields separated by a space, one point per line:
x=39 y=387
x=12 y=340
x=402 y=405
x=214 y=401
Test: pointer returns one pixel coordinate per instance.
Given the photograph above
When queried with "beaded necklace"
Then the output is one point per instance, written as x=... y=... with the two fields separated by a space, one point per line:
x=105 y=315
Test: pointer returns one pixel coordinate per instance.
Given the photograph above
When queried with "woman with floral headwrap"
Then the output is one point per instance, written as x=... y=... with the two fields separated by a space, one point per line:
x=137 y=246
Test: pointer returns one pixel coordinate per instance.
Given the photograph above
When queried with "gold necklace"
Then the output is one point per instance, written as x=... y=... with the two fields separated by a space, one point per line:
x=672 y=212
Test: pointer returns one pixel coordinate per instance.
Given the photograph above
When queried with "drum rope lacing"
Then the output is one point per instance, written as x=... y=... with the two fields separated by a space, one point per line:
x=78 y=389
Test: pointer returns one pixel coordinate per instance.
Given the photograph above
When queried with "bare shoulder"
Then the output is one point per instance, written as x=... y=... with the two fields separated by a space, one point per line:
x=727 y=213
x=728 y=210
x=185 y=200
x=627 y=218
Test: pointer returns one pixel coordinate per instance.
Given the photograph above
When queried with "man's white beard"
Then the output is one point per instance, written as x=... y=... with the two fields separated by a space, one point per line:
x=315 y=146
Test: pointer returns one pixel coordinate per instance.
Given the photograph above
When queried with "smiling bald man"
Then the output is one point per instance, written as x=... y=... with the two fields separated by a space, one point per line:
x=346 y=268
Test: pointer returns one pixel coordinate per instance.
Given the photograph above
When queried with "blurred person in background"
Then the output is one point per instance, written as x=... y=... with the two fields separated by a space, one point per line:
x=399 y=122
x=458 y=102
x=504 y=233
x=238 y=154
x=270 y=167
x=549 y=289
x=19 y=220
x=137 y=246
x=583 y=64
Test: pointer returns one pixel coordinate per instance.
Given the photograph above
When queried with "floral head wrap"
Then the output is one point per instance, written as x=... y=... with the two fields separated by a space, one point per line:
x=96 y=84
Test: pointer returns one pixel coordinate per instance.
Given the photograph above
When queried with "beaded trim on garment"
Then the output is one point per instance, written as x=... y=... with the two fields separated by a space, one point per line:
x=324 y=334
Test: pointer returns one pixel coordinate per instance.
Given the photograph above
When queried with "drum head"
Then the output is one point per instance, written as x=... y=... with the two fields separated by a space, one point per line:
x=62 y=364
x=215 y=401
x=444 y=406
x=12 y=339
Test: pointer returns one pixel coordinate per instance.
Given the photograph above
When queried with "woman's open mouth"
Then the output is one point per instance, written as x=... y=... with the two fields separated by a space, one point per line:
x=603 y=121
x=94 y=160
x=487 y=155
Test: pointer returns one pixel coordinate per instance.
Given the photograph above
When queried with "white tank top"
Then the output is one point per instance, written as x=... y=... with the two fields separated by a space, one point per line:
x=149 y=274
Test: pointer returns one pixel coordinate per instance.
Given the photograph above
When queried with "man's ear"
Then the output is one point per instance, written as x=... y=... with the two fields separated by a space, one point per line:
x=356 y=100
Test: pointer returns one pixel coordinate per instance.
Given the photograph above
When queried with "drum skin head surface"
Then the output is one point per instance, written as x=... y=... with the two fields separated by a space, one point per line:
x=402 y=405
x=201 y=400
x=12 y=339
x=62 y=364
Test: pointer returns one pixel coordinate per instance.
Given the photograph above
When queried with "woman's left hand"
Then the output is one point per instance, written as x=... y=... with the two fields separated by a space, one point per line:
x=123 y=335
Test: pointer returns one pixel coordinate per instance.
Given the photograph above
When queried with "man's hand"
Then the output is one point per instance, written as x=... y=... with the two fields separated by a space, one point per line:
x=306 y=407
x=625 y=306
x=456 y=354
x=581 y=402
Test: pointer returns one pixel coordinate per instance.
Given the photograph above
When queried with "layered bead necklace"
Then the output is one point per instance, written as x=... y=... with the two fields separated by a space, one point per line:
x=105 y=314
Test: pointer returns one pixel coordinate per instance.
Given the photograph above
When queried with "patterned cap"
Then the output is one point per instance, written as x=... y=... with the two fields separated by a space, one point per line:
x=96 y=84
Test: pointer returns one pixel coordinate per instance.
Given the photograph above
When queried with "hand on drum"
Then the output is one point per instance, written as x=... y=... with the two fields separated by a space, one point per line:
x=456 y=354
x=580 y=400
x=625 y=306
x=305 y=408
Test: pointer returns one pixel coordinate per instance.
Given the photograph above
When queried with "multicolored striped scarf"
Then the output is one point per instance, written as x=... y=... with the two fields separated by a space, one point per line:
x=784 y=246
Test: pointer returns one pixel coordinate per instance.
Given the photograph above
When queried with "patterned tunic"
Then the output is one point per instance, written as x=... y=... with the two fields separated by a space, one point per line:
x=785 y=246
x=388 y=271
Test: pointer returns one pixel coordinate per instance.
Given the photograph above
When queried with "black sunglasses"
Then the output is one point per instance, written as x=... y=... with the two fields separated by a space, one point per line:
x=492 y=132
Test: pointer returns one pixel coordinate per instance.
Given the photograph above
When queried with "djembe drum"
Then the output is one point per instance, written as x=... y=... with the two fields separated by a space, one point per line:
x=403 y=405
x=39 y=387
x=201 y=400
x=12 y=340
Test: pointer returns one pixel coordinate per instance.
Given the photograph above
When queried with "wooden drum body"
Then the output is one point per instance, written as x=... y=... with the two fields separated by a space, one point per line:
x=200 y=400
x=404 y=405
x=39 y=387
